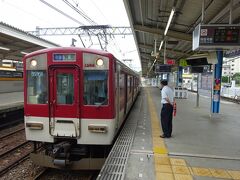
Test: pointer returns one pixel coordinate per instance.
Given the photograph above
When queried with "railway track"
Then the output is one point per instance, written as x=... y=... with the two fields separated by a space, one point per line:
x=15 y=156
x=49 y=173
x=41 y=174
x=11 y=133
x=13 y=149
x=12 y=141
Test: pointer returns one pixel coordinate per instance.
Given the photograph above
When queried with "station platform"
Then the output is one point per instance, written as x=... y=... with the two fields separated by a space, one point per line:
x=201 y=148
x=11 y=101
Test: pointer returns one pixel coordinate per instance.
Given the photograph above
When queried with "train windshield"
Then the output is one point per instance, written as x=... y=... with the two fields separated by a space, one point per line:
x=95 y=87
x=65 y=88
x=37 y=87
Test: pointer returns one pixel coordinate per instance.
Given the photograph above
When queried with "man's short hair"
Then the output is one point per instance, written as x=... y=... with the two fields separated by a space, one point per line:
x=164 y=82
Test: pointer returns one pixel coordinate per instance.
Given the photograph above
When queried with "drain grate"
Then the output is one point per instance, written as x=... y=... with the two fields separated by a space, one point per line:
x=115 y=165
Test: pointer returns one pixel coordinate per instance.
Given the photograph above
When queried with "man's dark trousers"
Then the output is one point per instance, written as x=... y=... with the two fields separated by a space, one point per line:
x=166 y=119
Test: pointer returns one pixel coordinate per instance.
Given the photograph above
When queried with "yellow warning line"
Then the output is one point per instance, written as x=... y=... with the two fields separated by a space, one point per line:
x=164 y=168
x=158 y=143
x=175 y=168
x=11 y=79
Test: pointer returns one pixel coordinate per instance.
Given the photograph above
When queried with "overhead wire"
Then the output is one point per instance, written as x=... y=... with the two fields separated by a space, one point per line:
x=80 y=11
x=115 y=44
x=100 y=11
x=61 y=12
x=87 y=18
x=26 y=11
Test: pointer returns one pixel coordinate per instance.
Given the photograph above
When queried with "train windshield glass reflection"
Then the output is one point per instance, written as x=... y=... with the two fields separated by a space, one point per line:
x=37 y=87
x=65 y=88
x=95 y=87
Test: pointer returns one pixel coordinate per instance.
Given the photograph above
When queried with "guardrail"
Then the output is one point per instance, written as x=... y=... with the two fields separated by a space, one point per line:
x=236 y=99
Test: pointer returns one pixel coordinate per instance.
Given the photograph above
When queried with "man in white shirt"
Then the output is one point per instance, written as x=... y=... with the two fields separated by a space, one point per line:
x=167 y=109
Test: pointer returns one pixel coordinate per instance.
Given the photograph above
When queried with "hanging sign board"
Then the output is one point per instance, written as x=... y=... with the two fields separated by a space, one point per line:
x=170 y=62
x=217 y=36
x=232 y=53
x=162 y=68
x=183 y=63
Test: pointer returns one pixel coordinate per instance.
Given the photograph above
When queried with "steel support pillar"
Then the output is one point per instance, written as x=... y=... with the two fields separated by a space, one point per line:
x=197 y=98
x=179 y=77
x=215 y=108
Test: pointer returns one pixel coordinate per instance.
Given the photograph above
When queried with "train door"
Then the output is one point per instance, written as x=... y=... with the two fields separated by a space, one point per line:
x=64 y=101
x=117 y=95
x=126 y=93
x=133 y=90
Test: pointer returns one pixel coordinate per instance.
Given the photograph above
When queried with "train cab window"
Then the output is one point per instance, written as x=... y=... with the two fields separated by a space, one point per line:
x=95 y=87
x=65 y=88
x=37 y=87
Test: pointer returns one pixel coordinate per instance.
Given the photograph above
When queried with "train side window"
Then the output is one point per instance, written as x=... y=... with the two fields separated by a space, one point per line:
x=95 y=87
x=130 y=84
x=37 y=87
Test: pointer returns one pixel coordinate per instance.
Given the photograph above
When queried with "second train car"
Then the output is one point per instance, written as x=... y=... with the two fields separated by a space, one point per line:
x=75 y=102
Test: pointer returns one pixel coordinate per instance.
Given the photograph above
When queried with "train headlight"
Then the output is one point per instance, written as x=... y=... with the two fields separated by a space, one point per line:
x=33 y=63
x=99 y=62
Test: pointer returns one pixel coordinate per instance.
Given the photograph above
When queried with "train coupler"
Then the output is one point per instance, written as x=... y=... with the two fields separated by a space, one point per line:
x=61 y=162
x=61 y=148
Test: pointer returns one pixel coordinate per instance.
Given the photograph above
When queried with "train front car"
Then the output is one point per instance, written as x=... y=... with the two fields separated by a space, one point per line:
x=69 y=106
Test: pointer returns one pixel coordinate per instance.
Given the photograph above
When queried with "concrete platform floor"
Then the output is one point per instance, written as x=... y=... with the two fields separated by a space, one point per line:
x=201 y=148
x=11 y=100
x=201 y=140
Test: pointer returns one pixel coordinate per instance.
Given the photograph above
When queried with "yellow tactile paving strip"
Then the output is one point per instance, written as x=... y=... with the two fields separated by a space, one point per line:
x=175 y=168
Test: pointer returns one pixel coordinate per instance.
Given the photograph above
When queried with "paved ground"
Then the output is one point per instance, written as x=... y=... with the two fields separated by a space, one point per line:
x=201 y=148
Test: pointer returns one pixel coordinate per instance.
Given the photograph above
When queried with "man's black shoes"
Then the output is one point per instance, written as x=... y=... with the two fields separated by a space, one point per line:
x=163 y=136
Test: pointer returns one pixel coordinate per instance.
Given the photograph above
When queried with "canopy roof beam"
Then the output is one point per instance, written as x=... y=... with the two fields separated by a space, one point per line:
x=160 y=32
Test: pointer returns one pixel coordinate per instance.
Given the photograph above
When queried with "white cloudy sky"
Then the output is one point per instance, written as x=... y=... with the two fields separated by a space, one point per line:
x=27 y=14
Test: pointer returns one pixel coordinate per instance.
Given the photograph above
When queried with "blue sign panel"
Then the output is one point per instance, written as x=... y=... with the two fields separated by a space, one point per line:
x=64 y=57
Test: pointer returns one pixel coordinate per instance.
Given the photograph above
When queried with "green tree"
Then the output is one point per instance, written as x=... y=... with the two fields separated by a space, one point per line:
x=224 y=79
x=236 y=77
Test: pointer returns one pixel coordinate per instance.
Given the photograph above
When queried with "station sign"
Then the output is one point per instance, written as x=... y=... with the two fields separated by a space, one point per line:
x=163 y=68
x=217 y=36
x=170 y=62
x=183 y=62
x=232 y=53
x=11 y=74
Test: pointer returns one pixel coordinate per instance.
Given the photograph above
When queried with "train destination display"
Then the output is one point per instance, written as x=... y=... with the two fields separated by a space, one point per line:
x=162 y=68
x=212 y=37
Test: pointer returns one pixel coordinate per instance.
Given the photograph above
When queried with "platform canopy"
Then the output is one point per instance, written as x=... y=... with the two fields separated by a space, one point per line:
x=15 y=43
x=148 y=20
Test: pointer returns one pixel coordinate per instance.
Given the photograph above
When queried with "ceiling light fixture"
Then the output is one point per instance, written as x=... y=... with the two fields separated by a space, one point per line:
x=4 y=48
x=22 y=52
x=169 y=21
x=160 y=47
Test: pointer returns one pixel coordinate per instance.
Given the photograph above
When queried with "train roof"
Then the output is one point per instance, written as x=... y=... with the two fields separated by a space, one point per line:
x=87 y=50
x=94 y=51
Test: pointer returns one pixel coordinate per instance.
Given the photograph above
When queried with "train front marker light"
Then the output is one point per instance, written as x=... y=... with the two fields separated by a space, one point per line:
x=33 y=63
x=99 y=62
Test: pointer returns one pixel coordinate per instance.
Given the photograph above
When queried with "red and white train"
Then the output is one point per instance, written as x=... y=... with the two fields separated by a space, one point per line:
x=75 y=102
